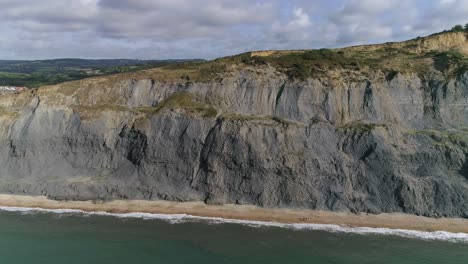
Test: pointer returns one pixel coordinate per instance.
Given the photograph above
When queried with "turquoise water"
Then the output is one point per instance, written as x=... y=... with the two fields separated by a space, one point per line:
x=60 y=238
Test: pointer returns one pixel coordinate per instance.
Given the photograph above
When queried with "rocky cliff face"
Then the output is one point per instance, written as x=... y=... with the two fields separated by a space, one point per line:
x=385 y=141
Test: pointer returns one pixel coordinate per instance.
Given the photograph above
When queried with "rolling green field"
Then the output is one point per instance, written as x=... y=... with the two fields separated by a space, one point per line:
x=37 y=73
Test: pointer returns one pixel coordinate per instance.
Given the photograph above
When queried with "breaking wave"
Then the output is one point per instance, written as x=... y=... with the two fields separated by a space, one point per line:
x=183 y=218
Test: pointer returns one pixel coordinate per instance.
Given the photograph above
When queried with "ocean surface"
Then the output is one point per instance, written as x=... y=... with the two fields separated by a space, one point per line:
x=65 y=236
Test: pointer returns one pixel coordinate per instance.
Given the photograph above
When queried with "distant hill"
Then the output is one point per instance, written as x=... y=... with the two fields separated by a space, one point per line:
x=35 y=73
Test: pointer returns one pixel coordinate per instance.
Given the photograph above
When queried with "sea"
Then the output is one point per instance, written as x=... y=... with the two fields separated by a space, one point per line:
x=29 y=235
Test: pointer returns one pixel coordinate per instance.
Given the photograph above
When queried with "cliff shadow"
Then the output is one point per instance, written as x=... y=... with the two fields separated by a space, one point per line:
x=464 y=169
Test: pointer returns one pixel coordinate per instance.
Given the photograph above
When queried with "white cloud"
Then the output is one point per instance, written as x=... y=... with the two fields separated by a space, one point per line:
x=301 y=19
x=295 y=31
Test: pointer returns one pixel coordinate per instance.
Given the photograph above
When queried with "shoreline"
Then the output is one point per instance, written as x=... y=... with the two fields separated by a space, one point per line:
x=245 y=213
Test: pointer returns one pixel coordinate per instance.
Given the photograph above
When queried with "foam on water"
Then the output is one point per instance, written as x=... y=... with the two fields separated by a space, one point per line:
x=182 y=218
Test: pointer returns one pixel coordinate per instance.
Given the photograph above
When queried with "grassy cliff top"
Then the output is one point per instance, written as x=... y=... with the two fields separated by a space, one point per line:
x=446 y=53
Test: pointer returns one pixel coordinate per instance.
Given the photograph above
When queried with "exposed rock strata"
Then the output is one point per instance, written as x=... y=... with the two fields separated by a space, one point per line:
x=251 y=137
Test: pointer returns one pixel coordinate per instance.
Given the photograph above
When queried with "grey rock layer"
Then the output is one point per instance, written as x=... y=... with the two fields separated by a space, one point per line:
x=374 y=146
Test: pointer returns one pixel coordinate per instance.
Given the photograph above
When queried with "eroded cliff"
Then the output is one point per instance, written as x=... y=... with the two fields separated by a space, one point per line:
x=379 y=129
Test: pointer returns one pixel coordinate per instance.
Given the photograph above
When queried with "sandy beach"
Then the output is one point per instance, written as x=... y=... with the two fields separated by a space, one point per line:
x=244 y=212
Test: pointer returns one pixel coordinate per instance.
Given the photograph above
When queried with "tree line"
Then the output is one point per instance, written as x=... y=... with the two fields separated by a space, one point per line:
x=459 y=28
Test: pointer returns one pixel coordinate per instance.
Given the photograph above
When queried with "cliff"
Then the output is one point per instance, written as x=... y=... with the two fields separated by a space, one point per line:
x=363 y=129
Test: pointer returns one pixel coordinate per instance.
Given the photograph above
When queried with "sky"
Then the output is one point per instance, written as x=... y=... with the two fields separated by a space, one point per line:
x=182 y=29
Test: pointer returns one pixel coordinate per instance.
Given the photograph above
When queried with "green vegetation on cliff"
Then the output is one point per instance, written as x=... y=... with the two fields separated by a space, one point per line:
x=444 y=52
x=187 y=102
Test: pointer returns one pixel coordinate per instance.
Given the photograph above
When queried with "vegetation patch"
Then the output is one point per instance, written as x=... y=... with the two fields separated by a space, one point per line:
x=7 y=112
x=272 y=120
x=459 y=28
x=189 y=103
x=186 y=102
x=457 y=137
x=93 y=112
x=444 y=61
x=201 y=72
x=361 y=128
x=302 y=65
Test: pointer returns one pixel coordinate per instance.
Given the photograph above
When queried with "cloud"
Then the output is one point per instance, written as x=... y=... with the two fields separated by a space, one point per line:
x=179 y=18
x=364 y=21
x=51 y=15
x=210 y=28
x=161 y=24
x=301 y=19
x=297 y=28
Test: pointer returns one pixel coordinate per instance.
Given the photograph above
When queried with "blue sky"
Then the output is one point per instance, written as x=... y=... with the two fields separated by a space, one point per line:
x=161 y=29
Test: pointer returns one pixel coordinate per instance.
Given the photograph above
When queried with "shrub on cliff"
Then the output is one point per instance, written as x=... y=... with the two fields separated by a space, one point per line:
x=458 y=28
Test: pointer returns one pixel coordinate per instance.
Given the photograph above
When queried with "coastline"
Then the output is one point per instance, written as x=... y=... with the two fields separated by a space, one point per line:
x=245 y=213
